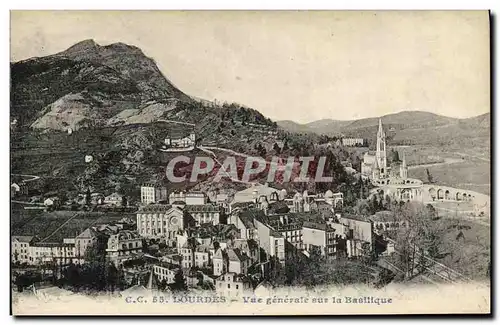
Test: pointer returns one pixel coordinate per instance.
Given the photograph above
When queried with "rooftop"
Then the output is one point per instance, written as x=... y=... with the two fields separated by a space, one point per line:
x=209 y=207
x=24 y=239
x=236 y=255
x=356 y=217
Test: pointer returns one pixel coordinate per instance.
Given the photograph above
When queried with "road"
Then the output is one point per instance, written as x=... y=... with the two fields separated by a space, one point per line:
x=58 y=228
x=176 y=122
x=447 y=161
x=28 y=203
x=477 y=220
x=31 y=178
x=210 y=152
x=434 y=268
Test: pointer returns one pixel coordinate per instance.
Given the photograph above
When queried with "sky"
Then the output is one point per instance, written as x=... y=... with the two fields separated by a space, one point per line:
x=301 y=66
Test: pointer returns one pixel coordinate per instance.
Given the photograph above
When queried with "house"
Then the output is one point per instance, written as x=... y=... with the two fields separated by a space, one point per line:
x=90 y=236
x=174 y=259
x=97 y=198
x=206 y=213
x=271 y=241
x=84 y=240
x=243 y=220
x=161 y=221
x=334 y=199
x=88 y=158
x=17 y=189
x=353 y=142
x=114 y=199
x=50 y=252
x=51 y=202
x=219 y=233
x=187 y=253
x=123 y=246
x=289 y=226
x=153 y=192
x=386 y=221
x=180 y=140
x=232 y=285
x=238 y=261
x=252 y=193
x=202 y=256
x=250 y=247
x=20 y=248
x=166 y=271
x=220 y=262
x=190 y=198
x=320 y=237
x=360 y=234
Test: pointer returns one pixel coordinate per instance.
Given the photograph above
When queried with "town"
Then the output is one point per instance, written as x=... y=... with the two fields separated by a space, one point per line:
x=230 y=243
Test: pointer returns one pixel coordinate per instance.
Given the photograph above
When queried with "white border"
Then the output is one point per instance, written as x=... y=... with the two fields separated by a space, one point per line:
x=191 y=5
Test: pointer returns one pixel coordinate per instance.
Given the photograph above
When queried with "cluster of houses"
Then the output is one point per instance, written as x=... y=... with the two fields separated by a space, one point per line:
x=223 y=241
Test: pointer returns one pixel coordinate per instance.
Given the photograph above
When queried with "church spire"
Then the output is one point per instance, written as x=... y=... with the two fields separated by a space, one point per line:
x=380 y=129
x=404 y=159
x=381 y=153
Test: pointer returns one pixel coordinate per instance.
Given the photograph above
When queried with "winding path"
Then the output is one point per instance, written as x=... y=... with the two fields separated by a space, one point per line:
x=31 y=178
x=447 y=161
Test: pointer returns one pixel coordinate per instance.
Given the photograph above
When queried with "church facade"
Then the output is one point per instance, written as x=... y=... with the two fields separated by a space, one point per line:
x=391 y=180
x=375 y=166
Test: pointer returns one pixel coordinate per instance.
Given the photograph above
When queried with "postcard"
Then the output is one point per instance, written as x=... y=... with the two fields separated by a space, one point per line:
x=250 y=163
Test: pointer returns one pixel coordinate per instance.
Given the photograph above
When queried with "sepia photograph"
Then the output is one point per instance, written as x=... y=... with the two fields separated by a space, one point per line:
x=250 y=163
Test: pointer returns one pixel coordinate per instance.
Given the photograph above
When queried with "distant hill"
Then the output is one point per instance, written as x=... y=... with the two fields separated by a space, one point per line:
x=410 y=127
x=294 y=127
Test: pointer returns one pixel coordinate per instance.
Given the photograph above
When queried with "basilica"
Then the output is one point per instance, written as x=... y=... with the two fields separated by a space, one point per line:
x=375 y=167
x=391 y=179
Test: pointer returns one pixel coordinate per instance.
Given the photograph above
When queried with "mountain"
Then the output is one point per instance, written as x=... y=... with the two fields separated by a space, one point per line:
x=409 y=127
x=89 y=84
x=120 y=108
x=294 y=127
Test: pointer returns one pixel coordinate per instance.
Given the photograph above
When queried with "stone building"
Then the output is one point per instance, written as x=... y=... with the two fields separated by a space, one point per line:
x=123 y=246
x=165 y=221
x=152 y=193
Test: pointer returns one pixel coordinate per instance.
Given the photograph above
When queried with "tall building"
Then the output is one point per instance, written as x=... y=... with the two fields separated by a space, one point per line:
x=154 y=221
x=374 y=166
x=381 y=154
x=152 y=193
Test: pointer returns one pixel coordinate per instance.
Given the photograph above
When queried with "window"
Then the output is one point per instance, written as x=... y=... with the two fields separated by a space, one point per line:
x=229 y=285
x=236 y=287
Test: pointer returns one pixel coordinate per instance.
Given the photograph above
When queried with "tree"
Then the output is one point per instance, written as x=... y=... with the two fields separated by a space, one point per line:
x=124 y=201
x=387 y=203
x=179 y=282
x=87 y=197
x=395 y=155
x=94 y=273
x=112 y=277
x=430 y=179
x=162 y=285
x=420 y=237
x=276 y=148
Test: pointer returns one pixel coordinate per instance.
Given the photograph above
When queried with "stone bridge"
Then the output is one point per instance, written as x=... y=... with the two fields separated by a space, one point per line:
x=415 y=190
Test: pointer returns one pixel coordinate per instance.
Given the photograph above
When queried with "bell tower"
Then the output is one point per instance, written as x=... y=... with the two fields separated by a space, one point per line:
x=381 y=156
